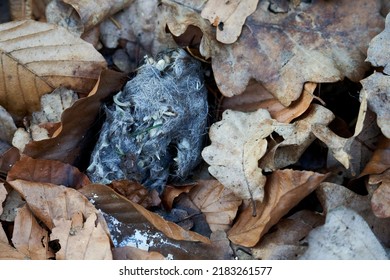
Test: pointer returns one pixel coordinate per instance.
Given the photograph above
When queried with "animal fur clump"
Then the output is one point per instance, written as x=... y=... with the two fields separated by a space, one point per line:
x=155 y=127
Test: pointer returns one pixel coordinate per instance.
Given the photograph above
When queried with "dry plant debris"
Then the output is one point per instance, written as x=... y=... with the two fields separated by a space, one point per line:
x=294 y=113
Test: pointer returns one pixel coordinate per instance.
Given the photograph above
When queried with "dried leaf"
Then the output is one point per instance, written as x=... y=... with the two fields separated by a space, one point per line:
x=256 y=96
x=229 y=17
x=380 y=200
x=332 y=196
x=39 y=57
x=8 y=158
x=137 y=193
x=47 y=171
x=217 y=203
x=58 y=208
x=129 y=227
x=171 y=192
x=284 y=242
x=9 y=253
x=344 y=236
x=237 y=145
x=29 y=237
x=20 y=9
x=7 y=126
x=378 y=52
x=284 y=189
x=353 y=152
x=318 y=41
x=84 y=13
x=133 y=253
x=380 y=160
x=81 y=240
x=296 y=138
x=67 y=143
x=377 y=89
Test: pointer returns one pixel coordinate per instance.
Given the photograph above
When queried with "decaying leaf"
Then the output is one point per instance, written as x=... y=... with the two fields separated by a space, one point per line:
x=29 y=237
x=284 y=189
x=237 y=145
x=64 y=210
x=171 y=192
x=380 y=200
x=83 y=14
x=137 y=193
x=81 y=240
x=353 y=152
x=130 y=227
x=332 y=196
x=377 y=89
x=284 y=242
x=380 y=160
x=228 y=17
x=67 y=142
x=296 y=138
x=217 y=203
x=39 y=57
x=320 y=41
x=3 y=195
x=47 y=171
x=344 y=236
x=256 y=96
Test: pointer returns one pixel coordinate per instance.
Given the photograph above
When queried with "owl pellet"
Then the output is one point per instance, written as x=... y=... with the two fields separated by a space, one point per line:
x=155 y=127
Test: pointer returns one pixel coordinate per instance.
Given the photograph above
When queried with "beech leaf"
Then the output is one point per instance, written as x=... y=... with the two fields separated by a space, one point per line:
x=237 y=145
x=380 y=201
x=284 y=189
x=132 y=225
x=217 y=203
x=64 y=210
x=7 y=252
x=29 y=237
x=38 y=57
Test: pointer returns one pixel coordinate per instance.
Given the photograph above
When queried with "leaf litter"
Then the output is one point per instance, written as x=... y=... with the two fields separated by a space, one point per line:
x=276 y=142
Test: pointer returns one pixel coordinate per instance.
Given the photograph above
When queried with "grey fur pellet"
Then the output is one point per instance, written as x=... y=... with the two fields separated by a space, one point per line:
x=155 y=127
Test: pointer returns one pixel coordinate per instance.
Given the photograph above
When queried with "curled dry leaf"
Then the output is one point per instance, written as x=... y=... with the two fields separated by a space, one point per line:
x=353 y=152
x=344 y=236
x=64 y=210
x=380 y=160
x=29 y=237
x=380 y=200
x=284 y=242
x=21 y=9
x=284 y=189
x=332 y=196
x=377 y=89
x=237 y=145
x=47 y=171
x=171 y=192
x=85 y=14
x=68 y=141
x=283 y=51
x=296 y=138
x=228 y=17
x=256 y=96
x=39 y=57
x=217 y=203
